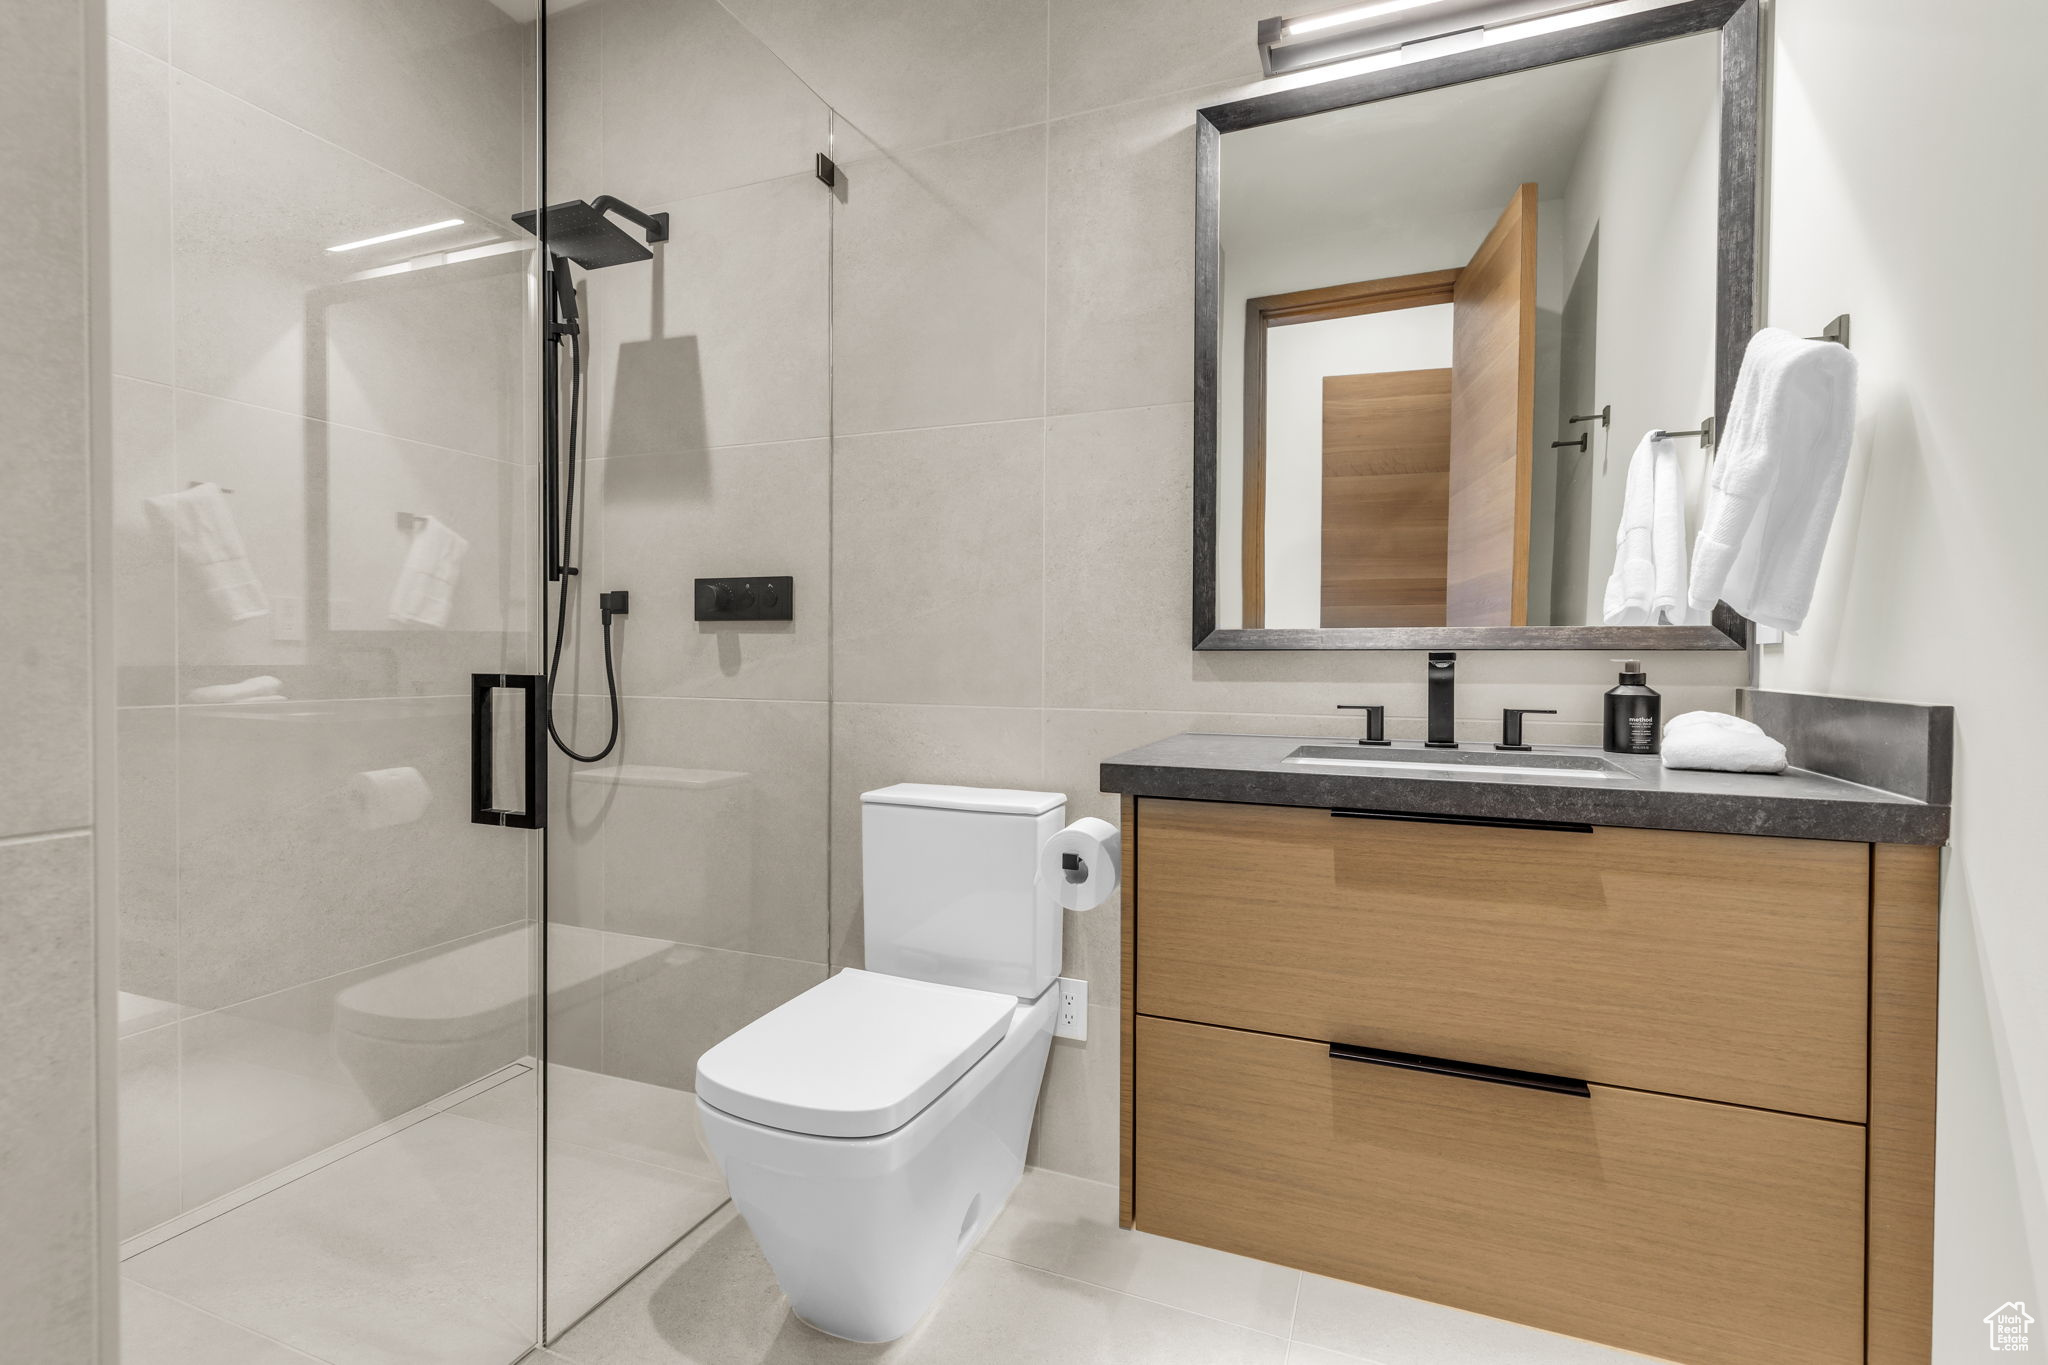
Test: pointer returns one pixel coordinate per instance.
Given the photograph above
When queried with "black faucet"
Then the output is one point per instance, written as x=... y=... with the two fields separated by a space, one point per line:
x=1443 y=700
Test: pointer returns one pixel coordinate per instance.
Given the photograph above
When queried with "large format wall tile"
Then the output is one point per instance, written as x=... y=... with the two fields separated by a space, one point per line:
x=656 y=1026
x=139 y=267
x=1078 y=1115
x=1105 y=54
x=910 y=73
x=715 y=835
x=45 y=653
x=142 y=554
x=50 y=1258
x=722 y=338
x=146 y=805
x=375 y=485
x=426 y=355
x=284 y=878
x=435 y=92
x=1121 y=264
x=878 y=746
x=694 y=103
x=671 y=519
x=937 y=573
x=938 y=286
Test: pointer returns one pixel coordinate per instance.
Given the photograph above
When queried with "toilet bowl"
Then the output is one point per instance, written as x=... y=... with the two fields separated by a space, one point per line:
x=871 y=1129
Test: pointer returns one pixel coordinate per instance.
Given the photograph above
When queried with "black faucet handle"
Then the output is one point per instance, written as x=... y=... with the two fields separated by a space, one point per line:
x=1375 y=721
x=1511 y=725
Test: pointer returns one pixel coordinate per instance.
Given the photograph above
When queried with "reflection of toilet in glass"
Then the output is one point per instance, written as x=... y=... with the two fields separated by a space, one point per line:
x=871 y=1129
x=443 y=1019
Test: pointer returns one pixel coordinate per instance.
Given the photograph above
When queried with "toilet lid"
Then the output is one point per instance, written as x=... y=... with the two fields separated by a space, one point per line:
x=855 y=1056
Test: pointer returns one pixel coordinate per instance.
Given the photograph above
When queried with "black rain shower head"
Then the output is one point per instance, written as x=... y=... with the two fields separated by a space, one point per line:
x=581 y=232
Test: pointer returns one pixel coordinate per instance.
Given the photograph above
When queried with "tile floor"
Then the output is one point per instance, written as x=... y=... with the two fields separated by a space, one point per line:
x=1055 y=1280
x=420 y=1248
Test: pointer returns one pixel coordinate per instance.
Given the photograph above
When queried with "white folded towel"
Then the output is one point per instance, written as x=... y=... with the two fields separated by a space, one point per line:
x=1777 y=477
x=210 y=542
x=1648 y=585
x=1719 y=742
x=258 y=688
x=425 y=592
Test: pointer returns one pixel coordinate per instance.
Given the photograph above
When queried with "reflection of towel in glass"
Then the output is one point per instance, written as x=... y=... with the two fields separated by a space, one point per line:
x=425 y=592
x=210 y=543
x=1647 y=587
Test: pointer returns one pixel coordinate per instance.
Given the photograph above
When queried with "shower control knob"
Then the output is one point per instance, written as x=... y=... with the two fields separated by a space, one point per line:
x=746 y=599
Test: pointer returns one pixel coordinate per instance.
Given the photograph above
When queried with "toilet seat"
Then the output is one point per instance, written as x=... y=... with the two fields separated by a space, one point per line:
x=858 y=1055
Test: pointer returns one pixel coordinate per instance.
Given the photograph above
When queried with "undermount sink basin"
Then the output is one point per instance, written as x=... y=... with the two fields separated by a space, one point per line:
x=1448 y=762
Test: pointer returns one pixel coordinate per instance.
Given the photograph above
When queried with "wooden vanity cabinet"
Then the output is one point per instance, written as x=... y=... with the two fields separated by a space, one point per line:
x=1669 y=1091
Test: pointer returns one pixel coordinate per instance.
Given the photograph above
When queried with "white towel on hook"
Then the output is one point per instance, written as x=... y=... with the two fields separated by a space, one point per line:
x=1777 y=478
x=208 y=540
x=1648 y=584
x=425 y=592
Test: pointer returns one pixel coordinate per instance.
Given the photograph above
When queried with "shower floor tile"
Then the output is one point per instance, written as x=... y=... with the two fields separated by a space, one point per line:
x=419 y=1249
x=159 y=1330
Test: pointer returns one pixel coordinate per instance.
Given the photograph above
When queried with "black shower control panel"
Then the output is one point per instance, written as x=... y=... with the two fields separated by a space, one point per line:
x=745 y=599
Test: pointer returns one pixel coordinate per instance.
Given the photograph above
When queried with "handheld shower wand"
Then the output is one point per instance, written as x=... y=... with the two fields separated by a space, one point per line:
x=578 y=232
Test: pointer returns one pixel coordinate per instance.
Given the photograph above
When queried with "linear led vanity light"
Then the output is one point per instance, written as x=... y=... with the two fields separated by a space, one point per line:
x=400 y=234
x=1337 y=35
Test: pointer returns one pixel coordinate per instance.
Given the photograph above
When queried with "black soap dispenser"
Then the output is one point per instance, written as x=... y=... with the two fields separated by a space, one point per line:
x=1635 y=714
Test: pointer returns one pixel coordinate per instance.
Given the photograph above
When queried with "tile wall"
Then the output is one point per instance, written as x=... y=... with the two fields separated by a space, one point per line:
x=49 y=1208
x=990 y=446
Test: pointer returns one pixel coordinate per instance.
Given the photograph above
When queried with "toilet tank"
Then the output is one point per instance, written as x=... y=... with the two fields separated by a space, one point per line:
x=949 y=876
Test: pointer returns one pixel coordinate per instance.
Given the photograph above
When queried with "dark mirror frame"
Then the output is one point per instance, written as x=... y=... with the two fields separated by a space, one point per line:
x=1735 y=308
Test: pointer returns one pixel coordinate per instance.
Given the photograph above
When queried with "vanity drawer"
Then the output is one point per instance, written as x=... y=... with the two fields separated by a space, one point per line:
x=1724 y=967
x=1707 y=1233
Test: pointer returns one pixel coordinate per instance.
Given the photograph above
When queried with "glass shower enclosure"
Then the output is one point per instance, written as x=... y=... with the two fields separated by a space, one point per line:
x=321 y=529
x=409 y=1023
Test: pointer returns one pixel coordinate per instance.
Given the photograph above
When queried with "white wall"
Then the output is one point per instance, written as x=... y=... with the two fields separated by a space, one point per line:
x=1297 y=360
x=1908 y=189
x=1648 y=179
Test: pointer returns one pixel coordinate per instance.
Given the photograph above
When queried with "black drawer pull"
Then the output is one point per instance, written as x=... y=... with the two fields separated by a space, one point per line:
x=1483 y=821
x=1470 y=1071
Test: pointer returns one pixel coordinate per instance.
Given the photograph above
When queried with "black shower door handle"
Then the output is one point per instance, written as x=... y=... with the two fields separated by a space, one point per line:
x=532 y=813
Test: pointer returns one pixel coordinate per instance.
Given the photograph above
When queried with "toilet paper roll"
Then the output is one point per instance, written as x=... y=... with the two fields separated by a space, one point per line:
x=388 y=796
x=1097 y=849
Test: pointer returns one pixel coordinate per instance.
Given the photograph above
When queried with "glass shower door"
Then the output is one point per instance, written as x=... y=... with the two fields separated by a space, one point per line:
x=688 y=884
x=321 y=530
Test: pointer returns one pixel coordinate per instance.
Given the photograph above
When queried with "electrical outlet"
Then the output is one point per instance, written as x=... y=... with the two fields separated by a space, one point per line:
x=1072 y=1021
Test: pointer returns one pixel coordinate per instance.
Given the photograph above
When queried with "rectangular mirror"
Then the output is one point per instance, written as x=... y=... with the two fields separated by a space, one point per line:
x=1440 y=304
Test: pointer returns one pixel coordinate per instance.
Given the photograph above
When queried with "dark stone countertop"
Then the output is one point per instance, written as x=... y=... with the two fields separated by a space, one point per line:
x=1795 y=804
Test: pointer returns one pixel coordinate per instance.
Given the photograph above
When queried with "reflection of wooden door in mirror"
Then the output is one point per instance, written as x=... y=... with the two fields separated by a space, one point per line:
x=1493 y=399
x=1386 y=497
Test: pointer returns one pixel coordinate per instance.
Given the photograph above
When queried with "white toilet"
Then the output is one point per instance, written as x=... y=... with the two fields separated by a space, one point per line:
x=871 y=1129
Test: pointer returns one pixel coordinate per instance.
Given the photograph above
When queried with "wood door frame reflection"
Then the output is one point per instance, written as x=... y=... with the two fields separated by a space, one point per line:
x=1738 y=26
x=1280 y=310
